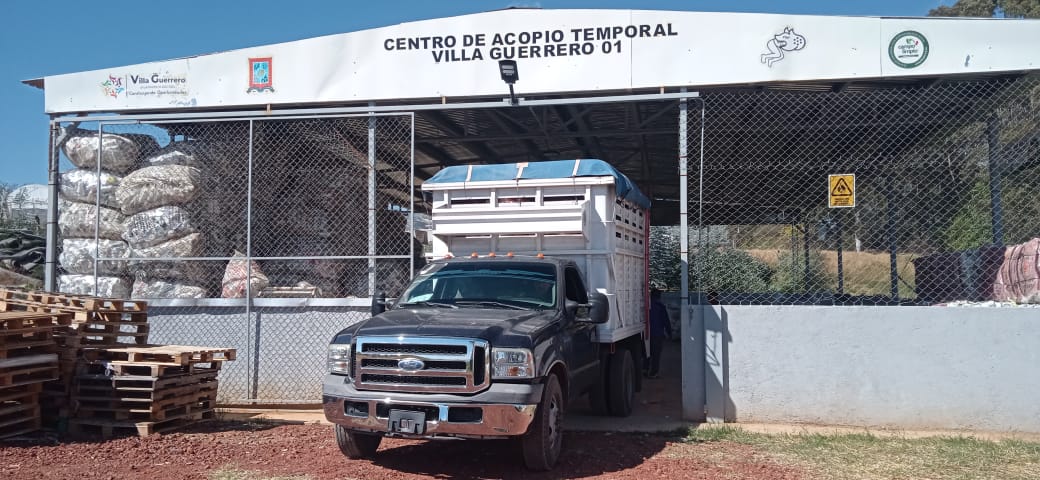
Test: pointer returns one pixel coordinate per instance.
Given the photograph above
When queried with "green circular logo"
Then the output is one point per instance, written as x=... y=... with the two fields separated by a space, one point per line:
x=908 y=49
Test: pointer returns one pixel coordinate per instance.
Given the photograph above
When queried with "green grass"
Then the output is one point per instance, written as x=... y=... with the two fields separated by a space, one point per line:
x=866 y=456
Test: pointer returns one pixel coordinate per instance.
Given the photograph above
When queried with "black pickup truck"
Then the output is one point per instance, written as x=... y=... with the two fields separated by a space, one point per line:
x=477 y=348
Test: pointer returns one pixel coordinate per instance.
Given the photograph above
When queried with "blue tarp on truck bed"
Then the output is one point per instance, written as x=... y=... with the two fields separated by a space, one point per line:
x=624 y=187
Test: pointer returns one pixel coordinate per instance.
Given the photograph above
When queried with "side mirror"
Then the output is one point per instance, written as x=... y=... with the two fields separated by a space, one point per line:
x=378 y=302
x=571 y=307
x=599 y=310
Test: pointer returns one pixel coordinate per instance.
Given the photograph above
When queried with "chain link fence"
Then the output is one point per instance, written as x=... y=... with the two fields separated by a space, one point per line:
x=936 y=185
x=255 y=234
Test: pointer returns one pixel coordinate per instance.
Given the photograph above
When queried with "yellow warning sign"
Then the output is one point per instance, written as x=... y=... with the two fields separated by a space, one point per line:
x=841 y=190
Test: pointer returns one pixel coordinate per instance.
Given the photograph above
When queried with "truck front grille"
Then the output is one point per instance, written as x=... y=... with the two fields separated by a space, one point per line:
x=448 y=365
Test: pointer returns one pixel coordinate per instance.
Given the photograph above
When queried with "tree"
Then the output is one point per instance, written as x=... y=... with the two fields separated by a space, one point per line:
x=989 y=8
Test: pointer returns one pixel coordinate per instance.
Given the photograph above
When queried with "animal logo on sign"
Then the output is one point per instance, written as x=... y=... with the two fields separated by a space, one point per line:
x=788 y=41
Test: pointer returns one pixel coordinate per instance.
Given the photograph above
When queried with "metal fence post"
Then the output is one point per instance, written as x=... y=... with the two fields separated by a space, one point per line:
x=372 y=202
x=50 y=280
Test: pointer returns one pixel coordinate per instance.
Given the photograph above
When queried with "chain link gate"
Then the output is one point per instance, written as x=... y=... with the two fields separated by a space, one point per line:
x=943 y=175
x=267 y=235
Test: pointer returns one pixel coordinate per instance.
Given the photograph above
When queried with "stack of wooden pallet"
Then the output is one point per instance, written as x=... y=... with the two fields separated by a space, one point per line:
x=27 y=361
x=146 y=389
x=94 y=322
x=108 y=377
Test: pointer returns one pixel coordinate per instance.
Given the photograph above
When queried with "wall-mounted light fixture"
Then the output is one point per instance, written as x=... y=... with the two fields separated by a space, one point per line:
x=509 y=75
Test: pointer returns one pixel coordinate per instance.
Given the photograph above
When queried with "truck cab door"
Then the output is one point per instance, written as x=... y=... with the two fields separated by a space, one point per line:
x=583 y=355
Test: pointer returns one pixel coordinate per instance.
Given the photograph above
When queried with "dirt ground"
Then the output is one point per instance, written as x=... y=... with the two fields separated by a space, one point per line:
x=271 y=448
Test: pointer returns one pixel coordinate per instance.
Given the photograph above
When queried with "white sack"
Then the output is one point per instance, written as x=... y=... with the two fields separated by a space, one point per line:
x=77 y=256
x=161 y=289
x=109 y=287
x=188 y=270
x=120 y=153
x=234 y=282
x=76 y=220
x=175 y=154
x=157 y=186
x=158 y=225
x=80 y=185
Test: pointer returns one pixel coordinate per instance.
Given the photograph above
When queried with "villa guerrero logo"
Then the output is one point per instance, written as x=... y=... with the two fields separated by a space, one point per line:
x=908 y=49
x=260 y=79
x=113 y=86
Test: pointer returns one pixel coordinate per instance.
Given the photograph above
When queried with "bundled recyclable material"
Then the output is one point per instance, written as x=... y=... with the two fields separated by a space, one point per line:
x=77 y=256
x=120 y=153
x=187 y=246
x=161 y=289
x=81 y=185
x=175 y=154
x=77 y=220
x=191 y=272
x=163 y=185
x=109 y=287
x=152 y=227
x=238 y=270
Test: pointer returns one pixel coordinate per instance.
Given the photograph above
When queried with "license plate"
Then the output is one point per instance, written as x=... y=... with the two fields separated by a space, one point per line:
x=404 y=421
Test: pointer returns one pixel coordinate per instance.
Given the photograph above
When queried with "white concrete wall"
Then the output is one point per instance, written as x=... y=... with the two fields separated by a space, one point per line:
x=902 y=367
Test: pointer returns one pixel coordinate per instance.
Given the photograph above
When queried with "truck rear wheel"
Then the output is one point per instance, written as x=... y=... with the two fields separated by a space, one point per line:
x=544 y=439
x=356 y=445
x=621 y=387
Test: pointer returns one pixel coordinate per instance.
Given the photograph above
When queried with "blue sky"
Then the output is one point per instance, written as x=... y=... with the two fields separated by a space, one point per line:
x=40 y=38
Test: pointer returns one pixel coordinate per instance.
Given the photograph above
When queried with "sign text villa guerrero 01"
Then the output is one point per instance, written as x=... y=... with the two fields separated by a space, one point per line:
x=529 y=44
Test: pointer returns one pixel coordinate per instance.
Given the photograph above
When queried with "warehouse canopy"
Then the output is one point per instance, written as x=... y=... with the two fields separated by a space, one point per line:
x=557 y=51
x=566 y=54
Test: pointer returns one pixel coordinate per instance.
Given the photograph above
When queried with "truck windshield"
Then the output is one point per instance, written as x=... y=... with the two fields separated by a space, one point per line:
x=499 y=284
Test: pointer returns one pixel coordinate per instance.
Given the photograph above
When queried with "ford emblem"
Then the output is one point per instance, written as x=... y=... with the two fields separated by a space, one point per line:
x=411 y=364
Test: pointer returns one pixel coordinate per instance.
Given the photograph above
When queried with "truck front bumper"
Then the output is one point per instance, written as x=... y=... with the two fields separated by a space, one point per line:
x=503 y=410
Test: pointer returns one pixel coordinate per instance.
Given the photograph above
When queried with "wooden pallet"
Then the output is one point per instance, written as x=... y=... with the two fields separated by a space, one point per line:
x=24 y=349
x=28 y=369
x=18 y=419
x=82 y=308
x=66 y=301
x=142 y=369
x=21 y=393
x=97 y=340
x=19 y=319
x=136 y=399
x=108 y=428
x=101 y=408
x=143 y=386
x=162 y=354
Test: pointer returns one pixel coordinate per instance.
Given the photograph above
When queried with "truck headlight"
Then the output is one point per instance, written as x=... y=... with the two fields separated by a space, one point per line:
x=339 y=358
x=511 y=363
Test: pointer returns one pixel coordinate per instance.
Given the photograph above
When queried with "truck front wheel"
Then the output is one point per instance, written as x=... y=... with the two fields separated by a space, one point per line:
x=543 y=441
x=356 y=445
x=621 y=385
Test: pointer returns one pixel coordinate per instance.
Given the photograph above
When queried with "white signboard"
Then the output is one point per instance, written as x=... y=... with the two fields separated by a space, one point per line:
x=557 y=51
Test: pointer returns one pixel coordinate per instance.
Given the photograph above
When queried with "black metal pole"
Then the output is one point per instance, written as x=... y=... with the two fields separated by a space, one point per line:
x=841 y=272
x=805 y=258
x=995 y=177
x=890 y=230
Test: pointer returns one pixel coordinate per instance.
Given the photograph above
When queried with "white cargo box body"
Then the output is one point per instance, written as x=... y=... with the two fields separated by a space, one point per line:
x=583 y=210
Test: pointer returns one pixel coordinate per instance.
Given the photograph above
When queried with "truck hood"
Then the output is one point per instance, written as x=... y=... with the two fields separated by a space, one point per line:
x=501 y=327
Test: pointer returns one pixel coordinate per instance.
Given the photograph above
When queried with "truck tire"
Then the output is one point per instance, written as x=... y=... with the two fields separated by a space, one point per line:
x=543 y=441
x=621 y=385
x=357 y=445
